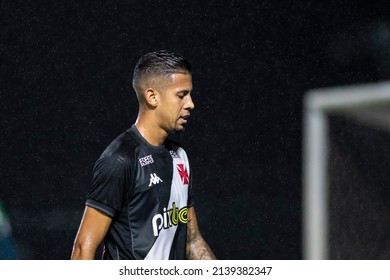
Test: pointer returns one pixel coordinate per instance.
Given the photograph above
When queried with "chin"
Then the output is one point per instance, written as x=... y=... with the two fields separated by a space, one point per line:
x=179 y=130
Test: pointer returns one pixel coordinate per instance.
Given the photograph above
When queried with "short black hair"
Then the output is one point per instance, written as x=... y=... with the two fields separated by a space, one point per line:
x=161 y=63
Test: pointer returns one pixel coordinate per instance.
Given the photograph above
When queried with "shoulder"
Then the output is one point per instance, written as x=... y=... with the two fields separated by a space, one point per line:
x=121 y=150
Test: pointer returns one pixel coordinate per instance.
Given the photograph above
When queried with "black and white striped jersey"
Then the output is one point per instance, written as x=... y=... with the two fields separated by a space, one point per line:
x=146 y=190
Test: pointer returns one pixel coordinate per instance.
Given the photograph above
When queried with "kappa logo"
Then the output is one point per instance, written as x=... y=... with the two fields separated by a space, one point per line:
x=154 y=179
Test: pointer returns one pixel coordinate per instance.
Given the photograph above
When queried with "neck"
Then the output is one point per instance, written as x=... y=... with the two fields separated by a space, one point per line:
x=150 y=131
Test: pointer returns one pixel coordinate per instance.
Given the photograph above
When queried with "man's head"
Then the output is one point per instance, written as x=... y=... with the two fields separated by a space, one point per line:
x=157 y=65
x=163 y=83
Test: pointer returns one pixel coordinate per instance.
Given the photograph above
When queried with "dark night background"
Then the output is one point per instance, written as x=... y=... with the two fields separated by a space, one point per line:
x=66 y=69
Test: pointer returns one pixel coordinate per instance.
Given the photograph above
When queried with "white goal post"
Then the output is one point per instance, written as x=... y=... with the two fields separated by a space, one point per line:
x=318 y=103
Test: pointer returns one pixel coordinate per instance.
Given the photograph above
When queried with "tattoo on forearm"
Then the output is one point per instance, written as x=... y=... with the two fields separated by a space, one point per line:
x=197 y=248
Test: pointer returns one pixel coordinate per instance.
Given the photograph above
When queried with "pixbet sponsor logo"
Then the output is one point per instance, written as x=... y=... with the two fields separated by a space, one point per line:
x=169 y=217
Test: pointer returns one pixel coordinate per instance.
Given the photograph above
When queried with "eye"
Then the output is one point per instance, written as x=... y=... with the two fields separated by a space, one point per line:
x=182 y=94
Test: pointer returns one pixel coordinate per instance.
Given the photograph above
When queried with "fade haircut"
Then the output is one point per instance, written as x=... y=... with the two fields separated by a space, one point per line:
x=160 y=63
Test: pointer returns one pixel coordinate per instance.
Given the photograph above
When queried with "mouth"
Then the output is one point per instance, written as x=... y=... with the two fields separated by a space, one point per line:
x=184 y=118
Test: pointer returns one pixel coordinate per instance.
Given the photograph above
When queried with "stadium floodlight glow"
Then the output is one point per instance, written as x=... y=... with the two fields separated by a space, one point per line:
x=318 y=103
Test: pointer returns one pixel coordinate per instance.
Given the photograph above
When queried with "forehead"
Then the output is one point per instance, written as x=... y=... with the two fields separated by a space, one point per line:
x=180 y=81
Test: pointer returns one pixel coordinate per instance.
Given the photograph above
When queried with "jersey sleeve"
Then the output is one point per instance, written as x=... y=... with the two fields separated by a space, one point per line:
x=107 y=192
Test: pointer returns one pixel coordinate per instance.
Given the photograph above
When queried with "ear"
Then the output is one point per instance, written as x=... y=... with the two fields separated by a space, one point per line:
x=151 y=96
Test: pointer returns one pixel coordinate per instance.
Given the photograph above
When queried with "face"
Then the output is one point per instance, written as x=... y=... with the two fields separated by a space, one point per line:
x=175 y=102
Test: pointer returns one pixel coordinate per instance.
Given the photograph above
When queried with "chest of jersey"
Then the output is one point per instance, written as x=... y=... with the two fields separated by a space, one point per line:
x=160 y=194
x=166 y=173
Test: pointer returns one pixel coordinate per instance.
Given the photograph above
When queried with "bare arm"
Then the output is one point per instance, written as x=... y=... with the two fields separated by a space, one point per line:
x=93 y=228
x=197 y=248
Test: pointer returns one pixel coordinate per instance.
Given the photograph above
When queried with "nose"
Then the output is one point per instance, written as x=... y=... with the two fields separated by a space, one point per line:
x=189 y=104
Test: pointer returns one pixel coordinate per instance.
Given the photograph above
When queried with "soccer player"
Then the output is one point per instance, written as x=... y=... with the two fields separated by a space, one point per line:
x=140 y=202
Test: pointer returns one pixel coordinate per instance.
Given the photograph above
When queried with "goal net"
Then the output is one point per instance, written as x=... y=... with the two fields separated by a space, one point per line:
x=346 y=172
